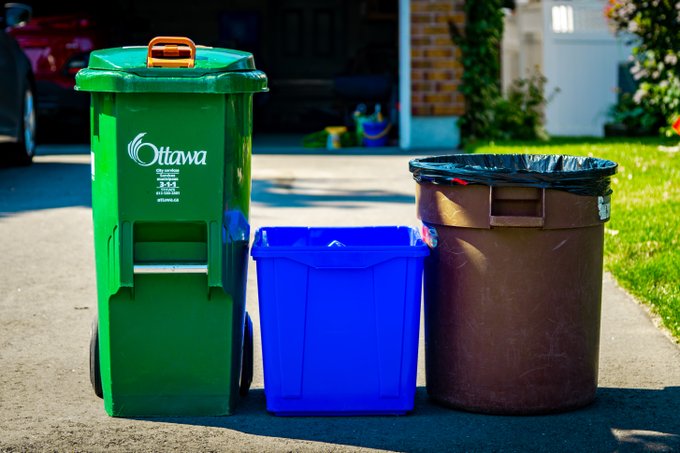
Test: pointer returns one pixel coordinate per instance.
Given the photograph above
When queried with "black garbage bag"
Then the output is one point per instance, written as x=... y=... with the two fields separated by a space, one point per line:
x=579 y=175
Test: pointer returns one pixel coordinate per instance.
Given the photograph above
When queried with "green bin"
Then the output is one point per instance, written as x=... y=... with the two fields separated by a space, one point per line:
x=171 y=127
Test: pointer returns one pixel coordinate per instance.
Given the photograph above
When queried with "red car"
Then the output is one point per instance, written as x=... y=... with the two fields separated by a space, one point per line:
x=58 y=47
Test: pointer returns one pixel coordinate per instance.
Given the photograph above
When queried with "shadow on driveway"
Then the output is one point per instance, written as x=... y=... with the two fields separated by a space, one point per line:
x=44 y=185
x=304 y=193
x=619 y=420
x=58 y=184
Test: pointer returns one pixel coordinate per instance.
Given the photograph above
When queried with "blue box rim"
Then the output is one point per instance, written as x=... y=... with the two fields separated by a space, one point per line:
x=417 y=250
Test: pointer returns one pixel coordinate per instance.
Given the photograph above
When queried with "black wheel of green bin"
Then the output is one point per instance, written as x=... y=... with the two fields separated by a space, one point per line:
x=247 y=357
x=95 y=370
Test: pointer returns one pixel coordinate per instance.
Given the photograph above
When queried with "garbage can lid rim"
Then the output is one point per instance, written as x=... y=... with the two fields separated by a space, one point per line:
x=575 y=174
x=132 y=59
x=522 y=163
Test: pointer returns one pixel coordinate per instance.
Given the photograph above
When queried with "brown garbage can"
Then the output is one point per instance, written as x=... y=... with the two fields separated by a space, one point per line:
x=513 y=283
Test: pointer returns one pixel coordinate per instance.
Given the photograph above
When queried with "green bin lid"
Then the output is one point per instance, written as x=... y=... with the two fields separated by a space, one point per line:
x=124 y=70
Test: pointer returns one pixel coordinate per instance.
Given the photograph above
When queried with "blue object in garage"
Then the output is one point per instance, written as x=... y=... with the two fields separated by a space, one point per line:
x=375 y=133
x=339 y=313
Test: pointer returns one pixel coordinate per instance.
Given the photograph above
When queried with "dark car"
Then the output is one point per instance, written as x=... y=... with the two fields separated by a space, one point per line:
x=58 y=47
x=17 y=88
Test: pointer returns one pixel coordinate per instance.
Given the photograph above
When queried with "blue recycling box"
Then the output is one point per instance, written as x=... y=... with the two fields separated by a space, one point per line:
x=339 y=314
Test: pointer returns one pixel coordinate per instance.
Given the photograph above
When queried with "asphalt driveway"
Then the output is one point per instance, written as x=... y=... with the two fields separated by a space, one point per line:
x=48 y=298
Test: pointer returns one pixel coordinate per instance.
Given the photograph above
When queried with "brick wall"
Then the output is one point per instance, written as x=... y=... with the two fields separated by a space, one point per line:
x=435 y=61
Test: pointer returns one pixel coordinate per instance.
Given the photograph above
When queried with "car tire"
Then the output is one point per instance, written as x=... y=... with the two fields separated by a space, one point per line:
x=95 y=367
x=24 y=148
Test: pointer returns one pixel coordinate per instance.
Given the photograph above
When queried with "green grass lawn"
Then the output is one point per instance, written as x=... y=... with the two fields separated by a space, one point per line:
x=641 y=240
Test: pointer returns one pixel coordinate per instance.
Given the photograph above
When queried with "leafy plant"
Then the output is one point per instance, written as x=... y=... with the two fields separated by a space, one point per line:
x=519 y=115
x=479 y=43
x=634 y=117
x=488 y=115
x=656 y=25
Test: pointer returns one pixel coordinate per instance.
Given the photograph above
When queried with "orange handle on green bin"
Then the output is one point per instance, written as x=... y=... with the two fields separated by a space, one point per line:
x=171 y=52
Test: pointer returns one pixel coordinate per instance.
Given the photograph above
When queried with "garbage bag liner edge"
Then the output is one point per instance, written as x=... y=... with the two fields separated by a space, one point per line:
x=588 y=176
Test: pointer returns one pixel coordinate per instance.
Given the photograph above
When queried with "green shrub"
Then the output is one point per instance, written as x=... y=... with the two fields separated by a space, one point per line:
x=479 y=43
x=488 y=115
x=519 y=115
x=655 y=24
x=635 y=119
